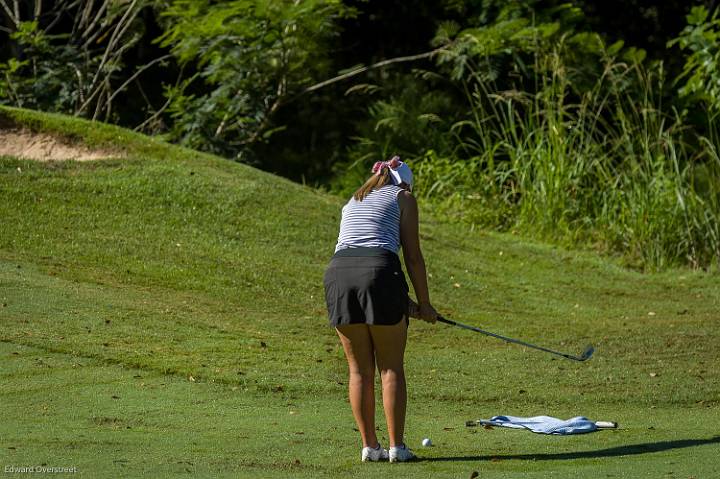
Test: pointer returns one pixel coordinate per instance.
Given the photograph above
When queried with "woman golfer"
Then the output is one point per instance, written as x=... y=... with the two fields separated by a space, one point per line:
x=368 y=303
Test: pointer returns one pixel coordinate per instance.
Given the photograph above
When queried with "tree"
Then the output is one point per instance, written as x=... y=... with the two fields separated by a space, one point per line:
x=70 y=58
x=249 y=57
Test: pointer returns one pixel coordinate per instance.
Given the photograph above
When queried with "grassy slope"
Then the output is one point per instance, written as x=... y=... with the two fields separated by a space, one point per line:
x=163 y=314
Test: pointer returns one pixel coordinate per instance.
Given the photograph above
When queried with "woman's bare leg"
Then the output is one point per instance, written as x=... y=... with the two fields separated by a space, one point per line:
x=389 y=342
x=358 y=347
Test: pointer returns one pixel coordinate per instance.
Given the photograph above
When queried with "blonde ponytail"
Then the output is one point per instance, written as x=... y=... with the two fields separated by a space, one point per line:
x=377 y=180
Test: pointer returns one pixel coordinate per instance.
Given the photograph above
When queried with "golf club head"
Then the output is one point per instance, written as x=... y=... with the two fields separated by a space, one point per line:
x=589 y=350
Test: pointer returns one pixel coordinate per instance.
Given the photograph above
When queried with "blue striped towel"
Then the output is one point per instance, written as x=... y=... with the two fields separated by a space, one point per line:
x=544 y=424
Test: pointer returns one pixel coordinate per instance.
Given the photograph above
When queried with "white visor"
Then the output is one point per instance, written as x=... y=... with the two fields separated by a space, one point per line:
x=402 y=174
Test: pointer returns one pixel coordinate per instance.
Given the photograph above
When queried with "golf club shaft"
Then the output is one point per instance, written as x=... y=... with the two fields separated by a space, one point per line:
x=509 y=340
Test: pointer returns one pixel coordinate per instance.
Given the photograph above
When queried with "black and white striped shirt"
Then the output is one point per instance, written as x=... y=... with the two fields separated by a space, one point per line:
x=373 y=222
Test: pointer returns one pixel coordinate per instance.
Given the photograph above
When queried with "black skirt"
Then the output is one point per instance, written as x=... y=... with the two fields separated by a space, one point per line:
x=365 y=286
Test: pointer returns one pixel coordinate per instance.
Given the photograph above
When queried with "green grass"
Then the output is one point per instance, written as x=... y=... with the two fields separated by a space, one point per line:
x=163 y=314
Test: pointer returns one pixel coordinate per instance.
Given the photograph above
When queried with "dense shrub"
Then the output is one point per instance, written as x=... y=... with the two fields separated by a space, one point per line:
x=563 y=138
x=72 y=58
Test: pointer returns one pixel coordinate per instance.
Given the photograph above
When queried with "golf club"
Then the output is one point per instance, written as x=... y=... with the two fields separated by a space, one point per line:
x=584 y=356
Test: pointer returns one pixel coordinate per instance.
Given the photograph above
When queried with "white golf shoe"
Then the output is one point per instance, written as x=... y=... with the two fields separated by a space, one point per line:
x=401 y=454
x=370 y=454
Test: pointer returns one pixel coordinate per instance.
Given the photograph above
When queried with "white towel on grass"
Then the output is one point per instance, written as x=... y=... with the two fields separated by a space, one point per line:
x=544 y=424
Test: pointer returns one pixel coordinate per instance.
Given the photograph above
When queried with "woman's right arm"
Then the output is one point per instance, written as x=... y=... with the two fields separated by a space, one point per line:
x=414 y=261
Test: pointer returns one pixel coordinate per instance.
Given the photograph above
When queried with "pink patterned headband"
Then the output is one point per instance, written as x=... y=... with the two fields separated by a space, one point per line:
x=379 y=165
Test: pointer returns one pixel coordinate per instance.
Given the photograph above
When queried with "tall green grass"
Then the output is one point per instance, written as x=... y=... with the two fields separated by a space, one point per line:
x=605 y=166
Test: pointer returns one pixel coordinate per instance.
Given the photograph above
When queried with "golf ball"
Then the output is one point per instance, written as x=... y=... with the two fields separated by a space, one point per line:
x=427 y=442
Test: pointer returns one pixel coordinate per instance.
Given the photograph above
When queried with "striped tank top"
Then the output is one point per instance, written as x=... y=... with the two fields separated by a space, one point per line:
x=373 y=222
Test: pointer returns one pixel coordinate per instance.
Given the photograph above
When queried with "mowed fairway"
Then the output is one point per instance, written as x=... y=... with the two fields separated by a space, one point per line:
x=162 y=314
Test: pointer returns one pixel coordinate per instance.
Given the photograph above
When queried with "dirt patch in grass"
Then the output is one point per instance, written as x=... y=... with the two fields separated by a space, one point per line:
x=23 y=143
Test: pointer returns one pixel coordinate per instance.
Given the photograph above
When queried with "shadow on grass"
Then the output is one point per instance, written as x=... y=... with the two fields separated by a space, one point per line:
x=630 y=450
